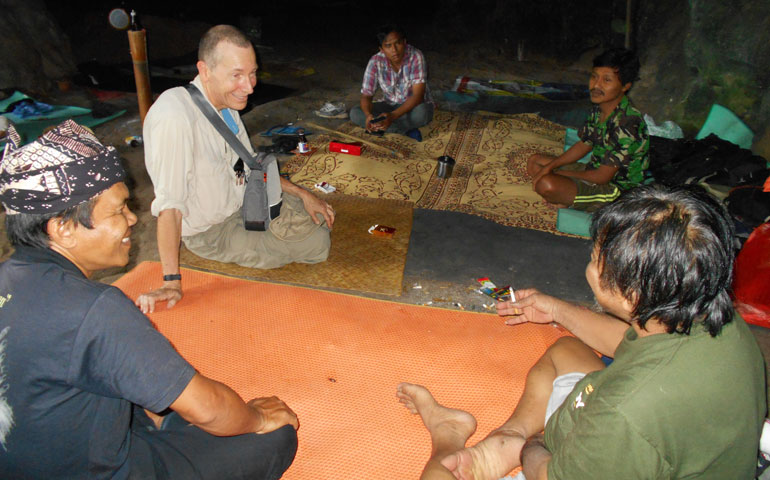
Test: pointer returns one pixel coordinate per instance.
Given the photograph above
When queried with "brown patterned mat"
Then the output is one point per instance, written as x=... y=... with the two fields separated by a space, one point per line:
x=357 y=260
x=489 y=178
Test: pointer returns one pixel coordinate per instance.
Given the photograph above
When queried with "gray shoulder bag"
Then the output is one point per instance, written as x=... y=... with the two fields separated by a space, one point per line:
x=262 y=197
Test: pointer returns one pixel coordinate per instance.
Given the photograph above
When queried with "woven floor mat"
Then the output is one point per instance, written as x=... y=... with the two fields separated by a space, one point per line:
x=357 y=260
x=336 y=359
x=489 y=178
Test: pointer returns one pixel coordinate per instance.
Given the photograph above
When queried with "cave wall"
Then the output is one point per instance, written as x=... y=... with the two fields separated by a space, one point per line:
x=699 y=52
x=35 y=52
x=694 y=52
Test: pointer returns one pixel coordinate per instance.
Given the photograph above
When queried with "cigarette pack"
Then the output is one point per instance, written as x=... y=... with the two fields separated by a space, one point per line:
x=353 y=148
x=325 y=187
x=500 y=294
x=382 y=231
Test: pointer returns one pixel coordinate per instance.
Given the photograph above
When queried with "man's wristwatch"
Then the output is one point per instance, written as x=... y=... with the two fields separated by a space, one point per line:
x=169 y=278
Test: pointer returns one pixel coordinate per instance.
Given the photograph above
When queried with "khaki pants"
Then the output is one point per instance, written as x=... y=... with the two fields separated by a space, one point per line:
x=229 y=242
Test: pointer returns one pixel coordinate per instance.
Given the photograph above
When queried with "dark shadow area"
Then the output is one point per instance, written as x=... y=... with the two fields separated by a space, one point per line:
x=456 y=247
x=570 y=114
x=167 y=74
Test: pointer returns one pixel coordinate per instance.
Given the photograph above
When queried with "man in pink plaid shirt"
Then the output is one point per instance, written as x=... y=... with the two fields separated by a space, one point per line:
x=400 y=71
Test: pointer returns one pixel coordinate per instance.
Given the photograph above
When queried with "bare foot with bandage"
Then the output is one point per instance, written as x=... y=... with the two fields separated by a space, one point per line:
x=449 y=430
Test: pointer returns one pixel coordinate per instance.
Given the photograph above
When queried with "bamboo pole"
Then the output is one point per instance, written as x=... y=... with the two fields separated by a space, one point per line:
x=137 y=40
x=353 y=137
x=628 y=24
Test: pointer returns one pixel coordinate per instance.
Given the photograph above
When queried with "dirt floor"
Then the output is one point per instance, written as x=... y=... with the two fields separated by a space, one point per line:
x=319 y=73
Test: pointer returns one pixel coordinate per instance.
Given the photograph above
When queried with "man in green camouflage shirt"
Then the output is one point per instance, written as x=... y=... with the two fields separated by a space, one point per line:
x=614 y=133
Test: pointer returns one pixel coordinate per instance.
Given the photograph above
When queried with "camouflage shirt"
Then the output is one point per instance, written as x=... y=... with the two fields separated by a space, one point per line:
x=620 y=141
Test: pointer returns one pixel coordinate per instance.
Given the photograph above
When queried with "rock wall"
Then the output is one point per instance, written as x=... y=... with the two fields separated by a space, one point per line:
x=35 y=52
x=699 y=52
x=694 y=52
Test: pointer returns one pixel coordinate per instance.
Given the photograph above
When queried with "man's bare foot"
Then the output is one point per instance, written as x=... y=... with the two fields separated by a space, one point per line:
x=444 y=424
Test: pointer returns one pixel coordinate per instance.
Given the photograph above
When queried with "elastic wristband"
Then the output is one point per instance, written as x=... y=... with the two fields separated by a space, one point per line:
x=168 y=278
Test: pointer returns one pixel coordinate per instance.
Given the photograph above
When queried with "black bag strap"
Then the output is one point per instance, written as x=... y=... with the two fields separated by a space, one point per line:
x=212 y=116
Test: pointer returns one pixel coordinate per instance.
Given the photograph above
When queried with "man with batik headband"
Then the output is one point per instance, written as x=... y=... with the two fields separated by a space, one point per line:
x=80 y=363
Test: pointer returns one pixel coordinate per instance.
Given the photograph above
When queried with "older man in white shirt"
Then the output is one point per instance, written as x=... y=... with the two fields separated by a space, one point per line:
x=199 y=193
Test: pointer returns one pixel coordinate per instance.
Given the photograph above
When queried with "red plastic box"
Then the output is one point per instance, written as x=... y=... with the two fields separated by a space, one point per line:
x=353 y=148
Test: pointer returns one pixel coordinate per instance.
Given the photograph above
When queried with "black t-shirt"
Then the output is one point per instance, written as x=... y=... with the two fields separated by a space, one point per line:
x=76 y=356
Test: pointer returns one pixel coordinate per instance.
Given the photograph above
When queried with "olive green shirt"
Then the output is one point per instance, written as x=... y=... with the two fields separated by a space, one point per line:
x=671 y=406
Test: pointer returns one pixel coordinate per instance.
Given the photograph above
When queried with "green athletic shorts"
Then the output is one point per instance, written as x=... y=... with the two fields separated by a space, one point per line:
x=591 y=196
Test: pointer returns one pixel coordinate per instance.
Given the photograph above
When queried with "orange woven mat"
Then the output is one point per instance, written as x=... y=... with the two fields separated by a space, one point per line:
x=336 y=360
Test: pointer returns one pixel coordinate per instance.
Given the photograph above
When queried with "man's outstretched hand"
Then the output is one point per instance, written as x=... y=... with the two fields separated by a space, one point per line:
x=531 y=306
x=170 y=292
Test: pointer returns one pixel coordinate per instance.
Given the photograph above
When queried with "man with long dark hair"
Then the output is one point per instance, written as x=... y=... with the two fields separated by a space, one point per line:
x=685 y=394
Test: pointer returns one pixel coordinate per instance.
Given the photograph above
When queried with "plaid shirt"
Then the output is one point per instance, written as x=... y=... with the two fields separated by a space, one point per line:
x=396 y=86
